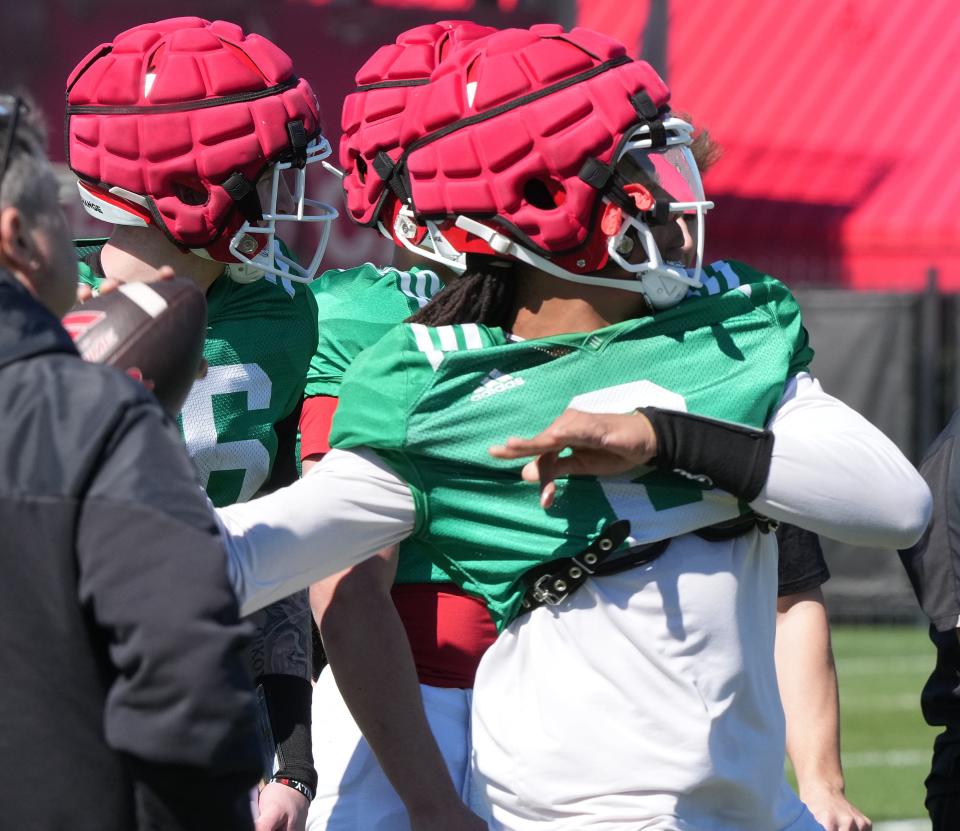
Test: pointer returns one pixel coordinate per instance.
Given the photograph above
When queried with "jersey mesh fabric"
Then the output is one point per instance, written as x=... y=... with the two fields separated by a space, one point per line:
x=260 y=338
x=432 y=400
x=356 y=307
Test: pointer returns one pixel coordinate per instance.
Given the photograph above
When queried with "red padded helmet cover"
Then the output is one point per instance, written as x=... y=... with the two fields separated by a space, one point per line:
x=373 y=117
x=218 y=103
x=543 y=102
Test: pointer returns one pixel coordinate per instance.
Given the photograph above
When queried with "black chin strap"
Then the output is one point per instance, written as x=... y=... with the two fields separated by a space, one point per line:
x=612 y=184
x=389 y=171
x=244 y=192
x=298 y=143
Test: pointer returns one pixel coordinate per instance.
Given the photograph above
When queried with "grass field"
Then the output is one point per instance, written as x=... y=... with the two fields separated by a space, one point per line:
x=886 y=745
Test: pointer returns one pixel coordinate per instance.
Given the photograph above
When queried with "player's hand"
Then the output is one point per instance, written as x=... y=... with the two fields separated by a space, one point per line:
x=455 y=817
x=601 y=444
x=85 y=293
x=281 y=809
x=834 y=812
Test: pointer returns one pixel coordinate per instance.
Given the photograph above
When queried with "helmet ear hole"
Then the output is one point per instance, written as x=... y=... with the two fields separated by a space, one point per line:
x=361 y=168
x=193 y=194
x=544 y=195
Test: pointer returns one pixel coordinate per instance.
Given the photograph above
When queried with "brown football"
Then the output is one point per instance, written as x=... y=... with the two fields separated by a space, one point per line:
x=152 y=331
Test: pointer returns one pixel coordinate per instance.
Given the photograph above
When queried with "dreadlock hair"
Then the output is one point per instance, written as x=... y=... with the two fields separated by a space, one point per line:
x=483 y=294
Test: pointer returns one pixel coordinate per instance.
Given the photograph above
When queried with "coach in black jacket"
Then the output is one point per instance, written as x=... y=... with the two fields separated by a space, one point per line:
x=933 y=565
x=123 y=700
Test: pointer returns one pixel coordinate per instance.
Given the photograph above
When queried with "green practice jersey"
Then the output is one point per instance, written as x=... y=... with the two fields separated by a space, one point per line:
x=260 y=338
x=431 y=401
x=356 y=307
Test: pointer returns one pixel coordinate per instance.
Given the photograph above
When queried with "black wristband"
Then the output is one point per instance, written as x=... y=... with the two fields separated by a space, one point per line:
x=296 y=784
x=288 y=703
x=714 y=453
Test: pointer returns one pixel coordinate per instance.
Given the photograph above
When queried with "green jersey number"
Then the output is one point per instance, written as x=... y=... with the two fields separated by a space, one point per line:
x=662 y=489
x=201 y=419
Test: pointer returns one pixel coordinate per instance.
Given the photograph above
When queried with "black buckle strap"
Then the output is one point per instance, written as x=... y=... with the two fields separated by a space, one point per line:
x=244 y=192
x=551 y=583
x=723 y=531
x=389 y=171
x=297 y=134
x=651 y=116
x=612 y=184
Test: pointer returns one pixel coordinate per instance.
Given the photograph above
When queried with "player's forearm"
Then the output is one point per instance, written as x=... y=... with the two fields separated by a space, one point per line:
x=370 y=657
x=280 y=658
x=348 y=508
x=808 y=689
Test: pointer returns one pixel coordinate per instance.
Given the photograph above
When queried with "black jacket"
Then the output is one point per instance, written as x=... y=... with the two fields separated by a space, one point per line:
x=123 y=700
x=933 y=566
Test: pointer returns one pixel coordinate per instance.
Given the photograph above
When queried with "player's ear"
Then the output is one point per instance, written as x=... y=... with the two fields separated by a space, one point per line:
x=16 y=244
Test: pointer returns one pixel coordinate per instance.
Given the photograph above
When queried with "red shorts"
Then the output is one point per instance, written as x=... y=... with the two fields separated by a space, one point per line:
x=448 y=631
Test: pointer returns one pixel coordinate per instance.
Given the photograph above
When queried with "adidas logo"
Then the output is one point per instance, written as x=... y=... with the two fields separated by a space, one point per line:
x=495 y=382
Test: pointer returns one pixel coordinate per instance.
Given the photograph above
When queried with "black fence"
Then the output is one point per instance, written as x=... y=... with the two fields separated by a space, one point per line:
x=892 y=357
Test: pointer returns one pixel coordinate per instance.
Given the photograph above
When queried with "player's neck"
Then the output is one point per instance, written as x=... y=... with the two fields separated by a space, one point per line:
x=134 y=255
x=546 y=306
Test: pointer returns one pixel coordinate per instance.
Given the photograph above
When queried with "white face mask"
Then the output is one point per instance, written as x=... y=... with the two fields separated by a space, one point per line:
x=283 y=196
x=664 y=279
x=284 y=189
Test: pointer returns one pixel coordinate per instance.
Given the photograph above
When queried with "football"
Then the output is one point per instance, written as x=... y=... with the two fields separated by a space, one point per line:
x=152 y=331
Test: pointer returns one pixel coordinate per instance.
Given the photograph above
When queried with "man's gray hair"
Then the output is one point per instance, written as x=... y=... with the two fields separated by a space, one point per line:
x=28 y=182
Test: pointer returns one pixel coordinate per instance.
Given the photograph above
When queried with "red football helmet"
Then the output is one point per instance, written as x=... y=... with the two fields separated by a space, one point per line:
x=175 y=124
x=513 y=147
x=374 y=116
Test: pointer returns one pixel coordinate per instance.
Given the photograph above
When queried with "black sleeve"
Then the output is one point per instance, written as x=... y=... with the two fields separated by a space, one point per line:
x=933 y=564
x=280 y=659
x=716 y=453
x=152 y=575
x=801 y=565
x=288 y=704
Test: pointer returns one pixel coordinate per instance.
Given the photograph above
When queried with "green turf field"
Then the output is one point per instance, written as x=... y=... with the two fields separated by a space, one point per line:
x=885 y=742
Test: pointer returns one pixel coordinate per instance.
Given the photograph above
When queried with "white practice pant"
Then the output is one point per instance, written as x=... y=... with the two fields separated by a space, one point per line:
x=353 y=793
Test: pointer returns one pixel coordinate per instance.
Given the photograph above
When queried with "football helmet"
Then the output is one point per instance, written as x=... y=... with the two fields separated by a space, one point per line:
x=516 y=146
x=376 y=130
x=204 y=132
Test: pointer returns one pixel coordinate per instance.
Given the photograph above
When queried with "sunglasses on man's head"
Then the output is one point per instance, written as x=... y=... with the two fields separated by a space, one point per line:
x=9 y=116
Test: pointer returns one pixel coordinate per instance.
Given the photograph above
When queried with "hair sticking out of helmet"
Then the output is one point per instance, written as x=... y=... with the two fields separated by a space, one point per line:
x=193 y=127
x=513 y=147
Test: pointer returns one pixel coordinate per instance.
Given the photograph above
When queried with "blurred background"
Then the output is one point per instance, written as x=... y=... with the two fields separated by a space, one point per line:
x=839 y=128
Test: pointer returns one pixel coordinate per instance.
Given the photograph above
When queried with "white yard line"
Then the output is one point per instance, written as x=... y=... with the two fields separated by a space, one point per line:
x=887 y=758
x=886 y=665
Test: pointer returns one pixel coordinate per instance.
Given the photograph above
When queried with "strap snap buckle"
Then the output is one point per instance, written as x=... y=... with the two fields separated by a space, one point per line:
x=551 y=594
